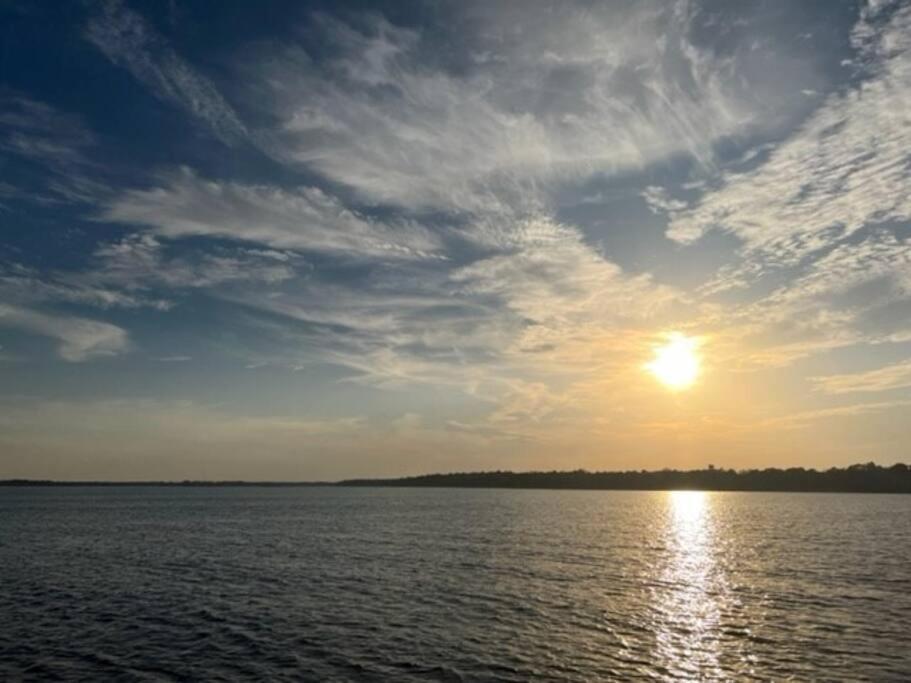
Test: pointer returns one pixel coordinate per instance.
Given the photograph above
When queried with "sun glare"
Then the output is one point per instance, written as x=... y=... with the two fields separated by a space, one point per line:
x=676 y=363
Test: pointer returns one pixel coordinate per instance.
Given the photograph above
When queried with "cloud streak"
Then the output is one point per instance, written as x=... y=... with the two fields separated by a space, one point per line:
x=128 y=40
x=79 y=339
x=305 y=218
x=897 y=376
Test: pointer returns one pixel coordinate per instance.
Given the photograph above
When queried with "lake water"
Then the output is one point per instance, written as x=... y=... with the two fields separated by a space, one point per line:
x=442 y=584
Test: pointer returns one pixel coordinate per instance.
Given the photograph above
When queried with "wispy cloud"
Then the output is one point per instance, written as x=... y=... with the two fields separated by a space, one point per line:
x=25 y=285
x=37 y=131
x=140 y=261
x=897 y=376
x=845 y=168
x=551 y=273
x=304 y=218
x=79 y=338
x=138 y=271
x=57 y=142
x=128 y=40
x=802 y=418
x=826 y=304
x=577 y=94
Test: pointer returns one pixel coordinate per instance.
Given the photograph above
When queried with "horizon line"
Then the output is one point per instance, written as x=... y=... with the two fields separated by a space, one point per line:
x=707 y=478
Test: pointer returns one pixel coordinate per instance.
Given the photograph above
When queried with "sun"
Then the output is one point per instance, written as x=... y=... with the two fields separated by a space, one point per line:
x=676 y=363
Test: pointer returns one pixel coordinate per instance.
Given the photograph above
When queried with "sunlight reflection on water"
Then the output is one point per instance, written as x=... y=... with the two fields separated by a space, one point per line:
x=689 y=606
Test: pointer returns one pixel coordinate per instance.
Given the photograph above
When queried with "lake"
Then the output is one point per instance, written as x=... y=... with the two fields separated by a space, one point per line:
x=165 y=583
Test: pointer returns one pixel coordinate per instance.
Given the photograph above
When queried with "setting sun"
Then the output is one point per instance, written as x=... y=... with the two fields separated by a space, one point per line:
x=676 y=363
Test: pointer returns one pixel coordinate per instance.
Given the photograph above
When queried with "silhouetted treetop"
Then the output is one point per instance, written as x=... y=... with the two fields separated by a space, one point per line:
x=867 y=477
x=859 y=478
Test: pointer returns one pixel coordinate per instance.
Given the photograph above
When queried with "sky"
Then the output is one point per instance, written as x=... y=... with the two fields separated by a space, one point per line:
x=307 y=241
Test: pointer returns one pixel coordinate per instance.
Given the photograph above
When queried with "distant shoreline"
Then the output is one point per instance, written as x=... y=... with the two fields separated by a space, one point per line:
x=861 y=478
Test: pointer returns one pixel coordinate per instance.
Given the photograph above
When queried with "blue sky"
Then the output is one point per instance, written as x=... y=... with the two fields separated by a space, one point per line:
x=316 y=240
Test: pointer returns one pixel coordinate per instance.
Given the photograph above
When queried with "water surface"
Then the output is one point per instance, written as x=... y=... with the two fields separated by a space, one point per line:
x=445 y=584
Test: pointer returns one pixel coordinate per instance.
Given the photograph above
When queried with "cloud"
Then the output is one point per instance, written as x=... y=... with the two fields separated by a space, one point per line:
x=594 y=90
x=659 y=201
x=525 y=402
x=304 y=218
x=881 y=256
x=56 y=142
x=564 y=296
x=26 y=285
x=827 y=304
x=897 y=376
x=396 y=326
x=543 y=302
x=37 y=131
x=801 y=418
x=80 y=338
x=141 y=261
x=138 y=271
x=411 y=326
x=485 y=431
x=551 y=274
x=843 y=169
x=128 y=40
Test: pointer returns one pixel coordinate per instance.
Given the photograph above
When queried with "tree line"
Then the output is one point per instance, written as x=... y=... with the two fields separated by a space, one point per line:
x=861 y=478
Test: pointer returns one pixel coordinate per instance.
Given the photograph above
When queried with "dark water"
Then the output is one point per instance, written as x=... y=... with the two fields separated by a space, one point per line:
x=400 y=585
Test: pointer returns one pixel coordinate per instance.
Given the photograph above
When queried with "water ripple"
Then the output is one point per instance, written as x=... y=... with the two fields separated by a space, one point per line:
x=331 y=584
